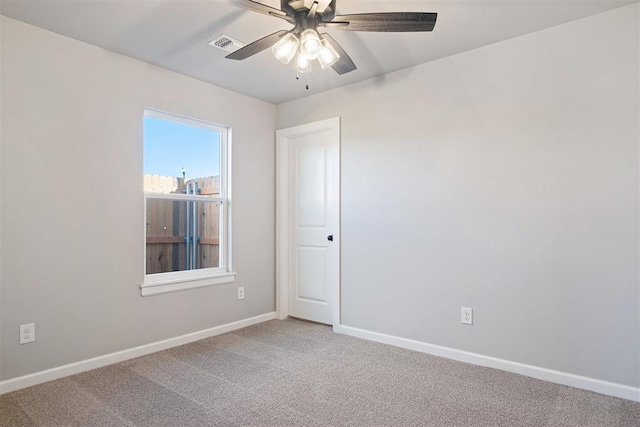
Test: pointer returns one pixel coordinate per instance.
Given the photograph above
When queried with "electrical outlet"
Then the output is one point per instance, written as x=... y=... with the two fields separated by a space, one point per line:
x=27 y=333
x=467 y=316
x=241 y=292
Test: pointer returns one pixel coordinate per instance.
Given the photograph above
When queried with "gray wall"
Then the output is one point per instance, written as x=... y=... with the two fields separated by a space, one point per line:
x=503 y=179
x=72 y=201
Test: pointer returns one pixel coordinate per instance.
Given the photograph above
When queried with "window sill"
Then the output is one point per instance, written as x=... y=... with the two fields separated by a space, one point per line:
x=163 y=287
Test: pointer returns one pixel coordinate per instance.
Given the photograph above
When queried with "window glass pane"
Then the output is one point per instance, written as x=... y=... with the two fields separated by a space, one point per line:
x=182 y=235
x=176 y=153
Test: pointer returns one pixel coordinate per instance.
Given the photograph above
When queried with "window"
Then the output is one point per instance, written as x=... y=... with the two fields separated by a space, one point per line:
x=186 y=191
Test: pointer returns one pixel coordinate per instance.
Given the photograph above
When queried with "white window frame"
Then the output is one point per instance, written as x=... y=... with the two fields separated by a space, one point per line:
x=159 y=283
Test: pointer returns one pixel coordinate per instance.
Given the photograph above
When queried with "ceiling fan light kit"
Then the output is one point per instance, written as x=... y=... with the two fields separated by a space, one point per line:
x=306 y=44
x=328 y=55
x=285 y=49
x=310 y=43
x=307 y=50
x=302 y=64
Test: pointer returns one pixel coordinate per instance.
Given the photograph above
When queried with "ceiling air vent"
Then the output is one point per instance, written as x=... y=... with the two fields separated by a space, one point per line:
x=226 y=43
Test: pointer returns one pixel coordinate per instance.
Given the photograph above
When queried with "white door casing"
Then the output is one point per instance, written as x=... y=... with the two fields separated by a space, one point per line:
x=307 y=213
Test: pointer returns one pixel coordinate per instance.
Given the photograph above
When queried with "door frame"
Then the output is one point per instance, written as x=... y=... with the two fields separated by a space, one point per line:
x=282 y=216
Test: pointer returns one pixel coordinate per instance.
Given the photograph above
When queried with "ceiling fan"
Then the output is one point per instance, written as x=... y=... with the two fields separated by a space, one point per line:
x=303 y=44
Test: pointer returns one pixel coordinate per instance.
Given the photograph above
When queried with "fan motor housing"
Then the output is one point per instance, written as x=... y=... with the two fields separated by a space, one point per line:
x=326 y=8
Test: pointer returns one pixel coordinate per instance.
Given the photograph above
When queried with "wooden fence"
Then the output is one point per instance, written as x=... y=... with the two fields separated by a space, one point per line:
x=167 y=222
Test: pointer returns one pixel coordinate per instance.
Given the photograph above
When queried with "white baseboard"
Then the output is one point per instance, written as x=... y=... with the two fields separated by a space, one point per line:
x=120 y=356
x=564 y=378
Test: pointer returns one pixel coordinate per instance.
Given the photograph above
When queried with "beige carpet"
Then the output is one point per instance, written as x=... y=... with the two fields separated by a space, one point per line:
x=294 y=373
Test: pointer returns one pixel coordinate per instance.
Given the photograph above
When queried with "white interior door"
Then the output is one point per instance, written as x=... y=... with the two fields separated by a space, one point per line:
x=308 y=221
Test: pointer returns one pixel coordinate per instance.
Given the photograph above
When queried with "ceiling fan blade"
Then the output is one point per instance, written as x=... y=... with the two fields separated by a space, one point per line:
x=255 y=6
x=257 y=46
x=384 y=21
x=345 y=64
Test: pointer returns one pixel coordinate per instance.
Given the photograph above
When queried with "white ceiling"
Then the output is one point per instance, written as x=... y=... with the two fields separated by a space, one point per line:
x=173 y=34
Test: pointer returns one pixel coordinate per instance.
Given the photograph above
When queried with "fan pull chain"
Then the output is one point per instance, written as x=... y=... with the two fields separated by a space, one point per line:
x=306 y=77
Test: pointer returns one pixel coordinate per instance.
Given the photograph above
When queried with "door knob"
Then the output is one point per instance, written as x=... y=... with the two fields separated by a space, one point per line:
x=330 y=237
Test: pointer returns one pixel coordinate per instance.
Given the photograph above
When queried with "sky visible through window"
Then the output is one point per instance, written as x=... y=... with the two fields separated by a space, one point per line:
x=169 y=146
